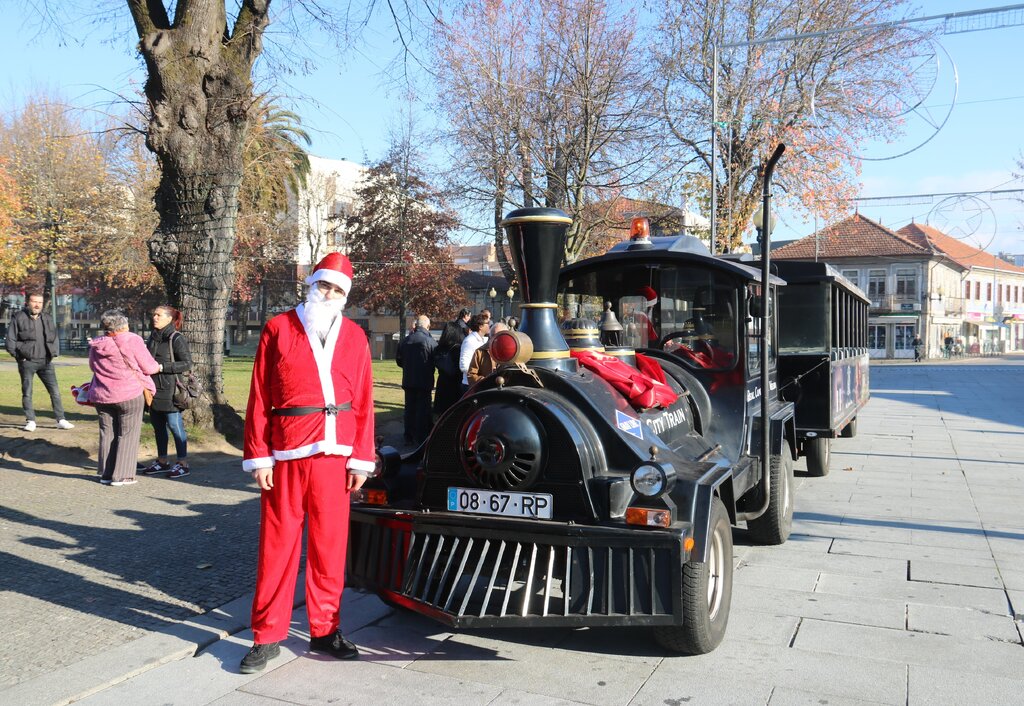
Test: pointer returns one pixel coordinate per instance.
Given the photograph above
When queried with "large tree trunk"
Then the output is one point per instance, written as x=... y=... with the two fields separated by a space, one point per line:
x=199 y=91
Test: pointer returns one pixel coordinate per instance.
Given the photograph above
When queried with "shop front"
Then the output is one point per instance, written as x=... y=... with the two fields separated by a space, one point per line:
x=892 y=336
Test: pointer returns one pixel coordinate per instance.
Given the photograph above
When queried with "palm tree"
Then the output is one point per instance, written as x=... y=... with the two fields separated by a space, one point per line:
x=275 y=165
x=275 y=161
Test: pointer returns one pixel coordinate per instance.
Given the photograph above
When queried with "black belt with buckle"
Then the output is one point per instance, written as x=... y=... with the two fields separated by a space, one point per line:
x=330 y=410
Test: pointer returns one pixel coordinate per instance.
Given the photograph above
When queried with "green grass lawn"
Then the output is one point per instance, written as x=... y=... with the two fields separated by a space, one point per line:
x=387 y=392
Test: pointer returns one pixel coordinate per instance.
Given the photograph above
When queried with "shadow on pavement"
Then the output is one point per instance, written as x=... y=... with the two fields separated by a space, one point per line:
x=847 y=520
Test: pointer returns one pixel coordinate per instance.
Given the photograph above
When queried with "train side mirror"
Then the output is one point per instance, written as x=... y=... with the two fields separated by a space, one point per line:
x=754 y=304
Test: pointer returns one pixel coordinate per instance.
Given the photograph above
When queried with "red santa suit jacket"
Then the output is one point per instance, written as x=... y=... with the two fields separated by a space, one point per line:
x=293 y=369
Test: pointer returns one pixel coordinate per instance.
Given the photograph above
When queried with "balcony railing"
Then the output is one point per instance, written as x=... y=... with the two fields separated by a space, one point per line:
x=896 y=302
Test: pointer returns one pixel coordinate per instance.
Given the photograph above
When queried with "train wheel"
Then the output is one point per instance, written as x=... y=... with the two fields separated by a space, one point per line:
x=818 y=452
x=850 y=430
x=707 y=594
x=774 y=525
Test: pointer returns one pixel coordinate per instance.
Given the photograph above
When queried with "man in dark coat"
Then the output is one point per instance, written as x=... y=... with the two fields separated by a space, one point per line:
x=416 y=359
x=446 y=359
x=32 y=340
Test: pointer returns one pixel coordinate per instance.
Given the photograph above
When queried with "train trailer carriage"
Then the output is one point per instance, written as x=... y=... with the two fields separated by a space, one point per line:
x=823 y=355
x=588 y=482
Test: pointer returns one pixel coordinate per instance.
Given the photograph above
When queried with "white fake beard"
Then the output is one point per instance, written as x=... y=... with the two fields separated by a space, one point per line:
x=320 y=313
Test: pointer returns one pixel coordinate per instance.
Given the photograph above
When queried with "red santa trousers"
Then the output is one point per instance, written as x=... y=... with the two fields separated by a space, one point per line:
x=315 y=487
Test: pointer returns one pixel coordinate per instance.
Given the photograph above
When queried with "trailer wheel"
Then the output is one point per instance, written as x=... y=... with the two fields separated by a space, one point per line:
x=818 y=452
x=774 y=525
x=707 y=594
x=850 y=430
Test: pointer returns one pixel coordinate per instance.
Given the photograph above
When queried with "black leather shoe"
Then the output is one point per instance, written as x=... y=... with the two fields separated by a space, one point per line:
x=335 y=645
x=258 y=657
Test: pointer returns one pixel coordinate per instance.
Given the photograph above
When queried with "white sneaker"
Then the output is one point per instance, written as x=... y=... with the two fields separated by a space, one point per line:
x=65 y=424
x=29 y=426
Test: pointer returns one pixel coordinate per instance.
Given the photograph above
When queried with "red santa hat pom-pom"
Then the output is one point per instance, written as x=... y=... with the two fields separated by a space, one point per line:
x=334 y=268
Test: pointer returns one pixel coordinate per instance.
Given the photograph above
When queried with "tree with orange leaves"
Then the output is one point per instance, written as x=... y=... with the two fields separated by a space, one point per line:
x=822 y=94
x=16 y=258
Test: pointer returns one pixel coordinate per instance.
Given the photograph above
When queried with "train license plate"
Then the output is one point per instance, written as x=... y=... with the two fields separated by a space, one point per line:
x=507 y=504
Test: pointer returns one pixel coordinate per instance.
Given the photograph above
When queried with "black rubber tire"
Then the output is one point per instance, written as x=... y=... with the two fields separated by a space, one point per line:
x=818 y=452
x=705 y=616
x=774 y=526
x=850 y=430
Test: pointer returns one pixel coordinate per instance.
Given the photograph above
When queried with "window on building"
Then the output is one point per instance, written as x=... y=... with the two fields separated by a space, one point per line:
x=853 y=276
x=906 y=284
x=876 y=284
x=876 y=337
x=988 y=292
x=903 y=337
x=977 y=291
x=967 y=290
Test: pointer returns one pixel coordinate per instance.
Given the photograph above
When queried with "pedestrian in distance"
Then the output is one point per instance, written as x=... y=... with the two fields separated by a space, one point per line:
x=121 y=388
x=446 y=360
x=169 y=347
x=482 y=364
x=416 y=359
x=462 y=320
x=917 y=344
x=478 y=327
x=308 y=443
x=32 y=340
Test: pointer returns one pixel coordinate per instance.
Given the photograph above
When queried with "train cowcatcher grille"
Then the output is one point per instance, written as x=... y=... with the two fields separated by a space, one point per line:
x=489 y=576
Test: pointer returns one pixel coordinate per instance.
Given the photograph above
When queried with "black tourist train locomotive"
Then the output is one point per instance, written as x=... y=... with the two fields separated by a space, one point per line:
x=594 y=477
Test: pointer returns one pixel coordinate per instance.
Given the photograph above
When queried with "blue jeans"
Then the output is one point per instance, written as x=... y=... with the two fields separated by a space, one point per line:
x=162 y=421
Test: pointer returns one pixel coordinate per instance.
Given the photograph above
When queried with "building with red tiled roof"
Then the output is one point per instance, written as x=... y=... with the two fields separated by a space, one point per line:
x=921 y=282
x=992 y=289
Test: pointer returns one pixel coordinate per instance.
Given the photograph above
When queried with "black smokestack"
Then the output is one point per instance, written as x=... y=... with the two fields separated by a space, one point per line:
x=536 y=237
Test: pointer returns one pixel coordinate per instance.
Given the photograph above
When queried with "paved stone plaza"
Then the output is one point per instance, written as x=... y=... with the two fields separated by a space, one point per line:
x=899 y=586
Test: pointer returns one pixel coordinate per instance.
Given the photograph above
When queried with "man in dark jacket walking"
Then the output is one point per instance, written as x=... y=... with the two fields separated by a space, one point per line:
x=32 y=340
x=416 y=359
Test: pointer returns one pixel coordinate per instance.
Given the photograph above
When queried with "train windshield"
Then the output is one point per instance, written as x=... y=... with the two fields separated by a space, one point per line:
x=687 y=310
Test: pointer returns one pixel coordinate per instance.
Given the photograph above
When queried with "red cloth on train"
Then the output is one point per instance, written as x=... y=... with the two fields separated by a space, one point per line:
x=642 y=389
x=317 y=486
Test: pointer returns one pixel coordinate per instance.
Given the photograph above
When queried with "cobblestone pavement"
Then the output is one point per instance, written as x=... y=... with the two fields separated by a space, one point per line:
x=86 y=567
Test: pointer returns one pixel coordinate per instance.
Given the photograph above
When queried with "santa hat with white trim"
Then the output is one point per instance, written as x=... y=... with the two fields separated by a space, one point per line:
x=334 y=268
x=649 y=294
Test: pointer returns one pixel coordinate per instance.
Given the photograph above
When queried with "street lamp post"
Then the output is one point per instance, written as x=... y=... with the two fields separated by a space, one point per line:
x=492 y=293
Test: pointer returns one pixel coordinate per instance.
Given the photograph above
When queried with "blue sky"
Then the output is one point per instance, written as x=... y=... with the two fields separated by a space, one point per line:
x=348 y=111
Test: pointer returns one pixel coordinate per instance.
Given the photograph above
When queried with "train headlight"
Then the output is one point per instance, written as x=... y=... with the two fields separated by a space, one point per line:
x=649 y=480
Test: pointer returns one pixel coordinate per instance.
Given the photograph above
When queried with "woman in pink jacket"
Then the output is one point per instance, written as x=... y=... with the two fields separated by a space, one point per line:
x=121 y=366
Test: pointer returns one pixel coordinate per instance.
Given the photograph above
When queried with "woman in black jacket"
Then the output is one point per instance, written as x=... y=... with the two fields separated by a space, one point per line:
x=166 y=343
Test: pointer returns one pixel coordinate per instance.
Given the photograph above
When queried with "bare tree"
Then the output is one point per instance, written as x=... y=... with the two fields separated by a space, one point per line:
x=544 y=100
x=316 y=215
x=822 y=94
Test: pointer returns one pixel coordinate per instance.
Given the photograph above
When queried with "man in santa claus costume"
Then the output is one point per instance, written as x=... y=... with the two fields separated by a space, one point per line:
x=308 y=443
